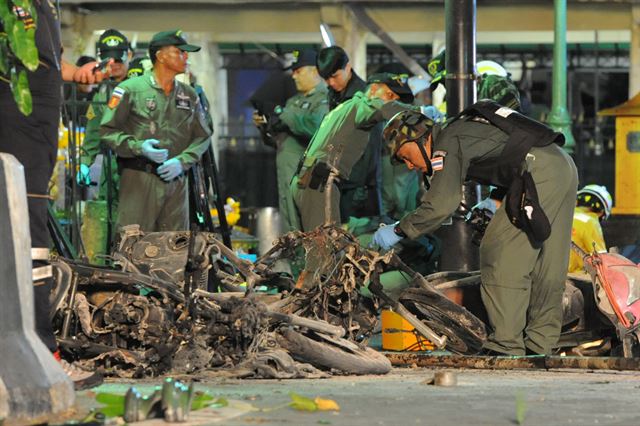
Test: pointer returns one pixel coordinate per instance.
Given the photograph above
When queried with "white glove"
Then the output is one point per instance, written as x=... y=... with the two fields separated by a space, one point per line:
x=150 y=151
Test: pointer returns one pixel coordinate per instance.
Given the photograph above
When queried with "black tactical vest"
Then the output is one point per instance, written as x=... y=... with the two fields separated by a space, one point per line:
x=524 y=134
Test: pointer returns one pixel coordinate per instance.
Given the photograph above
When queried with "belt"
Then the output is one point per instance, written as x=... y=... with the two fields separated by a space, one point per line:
x=138 y=163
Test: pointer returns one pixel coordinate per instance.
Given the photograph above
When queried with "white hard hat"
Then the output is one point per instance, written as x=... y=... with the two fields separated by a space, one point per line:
x=418 y=83
x=596 y=197
x=490 y=68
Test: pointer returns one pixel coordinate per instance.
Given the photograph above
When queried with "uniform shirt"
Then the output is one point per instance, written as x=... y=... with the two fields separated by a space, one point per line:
x=139 y=109
x=344 y=133
x=355 y=84
x=91 y=142
x=304 y=112
x=455 y=148
x=585 y=232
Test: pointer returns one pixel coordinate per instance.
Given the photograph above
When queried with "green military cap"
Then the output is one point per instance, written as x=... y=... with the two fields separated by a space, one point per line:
x=397 y=83
x=172 y=38
x=436 y=69
x=112 y=44
x=137 y=67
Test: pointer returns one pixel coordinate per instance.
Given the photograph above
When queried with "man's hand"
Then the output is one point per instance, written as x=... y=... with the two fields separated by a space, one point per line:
x=386 y=237
x=83 y=177
x=486 y=204
x=150 y=151
x=89 y=73
x=432 y=113
x=259 y=119
x=170 y=169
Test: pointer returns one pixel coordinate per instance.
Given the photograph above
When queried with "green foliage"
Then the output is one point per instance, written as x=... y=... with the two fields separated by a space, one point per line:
x=18 y=51
x=21 y=92
x=299 y=402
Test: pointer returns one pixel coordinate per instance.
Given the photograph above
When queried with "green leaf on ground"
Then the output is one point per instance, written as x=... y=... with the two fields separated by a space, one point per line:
x=204 y=400
x=521 y=408
x=301 y=403
x=113 y=404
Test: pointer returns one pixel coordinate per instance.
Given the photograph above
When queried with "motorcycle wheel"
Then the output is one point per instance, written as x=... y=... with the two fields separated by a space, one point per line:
x=465 y=332
x=332 y=353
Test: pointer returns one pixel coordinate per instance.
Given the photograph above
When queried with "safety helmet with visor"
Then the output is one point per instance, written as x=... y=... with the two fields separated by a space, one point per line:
x=597 y=198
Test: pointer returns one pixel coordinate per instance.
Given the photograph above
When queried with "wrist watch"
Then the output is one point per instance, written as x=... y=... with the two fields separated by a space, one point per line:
x=399 y=232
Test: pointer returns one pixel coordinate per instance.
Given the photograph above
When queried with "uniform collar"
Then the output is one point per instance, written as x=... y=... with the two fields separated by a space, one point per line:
x=313 y=91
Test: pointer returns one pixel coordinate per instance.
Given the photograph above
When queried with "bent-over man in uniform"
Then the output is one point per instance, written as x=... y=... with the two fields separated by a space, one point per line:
x=340 y=142
x=157 y=129
x=524 y=253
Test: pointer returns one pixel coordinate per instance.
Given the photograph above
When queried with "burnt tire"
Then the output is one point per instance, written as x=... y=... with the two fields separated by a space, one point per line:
x=333 y=354
x=465 y=332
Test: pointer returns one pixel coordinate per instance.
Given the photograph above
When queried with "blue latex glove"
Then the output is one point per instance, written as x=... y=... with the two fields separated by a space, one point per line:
x=170 y=169
x=385 y=237
x=83 y=177
x=486 y=204
x=432 y=112
x=150 y=151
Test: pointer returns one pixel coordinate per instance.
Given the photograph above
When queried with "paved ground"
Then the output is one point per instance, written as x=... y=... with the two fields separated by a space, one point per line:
x=403 y=398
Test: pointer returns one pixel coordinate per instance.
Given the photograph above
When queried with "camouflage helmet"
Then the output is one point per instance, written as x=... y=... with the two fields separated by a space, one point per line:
x=405 y=126
x=499 y=89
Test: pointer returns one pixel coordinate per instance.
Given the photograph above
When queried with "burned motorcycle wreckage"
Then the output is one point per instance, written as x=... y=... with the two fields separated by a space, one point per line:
x=150 y=312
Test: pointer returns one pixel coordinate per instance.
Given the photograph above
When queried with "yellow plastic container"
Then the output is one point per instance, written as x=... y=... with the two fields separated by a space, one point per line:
x=399 y=335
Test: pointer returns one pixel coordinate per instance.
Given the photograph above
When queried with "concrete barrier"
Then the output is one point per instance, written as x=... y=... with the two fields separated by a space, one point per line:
x=33 y=387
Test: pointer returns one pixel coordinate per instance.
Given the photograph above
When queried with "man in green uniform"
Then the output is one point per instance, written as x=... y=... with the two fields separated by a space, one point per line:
x=111 y=45
x=294 y=126
x=157 y=129
x=339 y=143
x=524 y=253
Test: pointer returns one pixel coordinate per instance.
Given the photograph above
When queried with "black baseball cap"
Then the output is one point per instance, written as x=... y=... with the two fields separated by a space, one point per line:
x=331 y=59
x=398 y=83
x=136 y=67
x=172 y=38
x=303 y=58
x=113 y=44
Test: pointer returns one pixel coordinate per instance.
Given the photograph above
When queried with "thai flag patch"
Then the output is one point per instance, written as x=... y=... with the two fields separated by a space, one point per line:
x=117 y=94
x=437 y=163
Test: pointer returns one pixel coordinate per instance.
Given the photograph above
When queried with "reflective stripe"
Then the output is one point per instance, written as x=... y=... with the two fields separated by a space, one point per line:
x=39 y=253
x=41 y=273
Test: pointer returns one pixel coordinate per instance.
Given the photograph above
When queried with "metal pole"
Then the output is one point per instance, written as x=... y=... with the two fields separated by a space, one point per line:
x=458 y=251
x=559 y=117
x=461 y=54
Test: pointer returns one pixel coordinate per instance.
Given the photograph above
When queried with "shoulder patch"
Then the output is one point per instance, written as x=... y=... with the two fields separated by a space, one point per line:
x=439 y=154
x=437 y=163
x=116 y=96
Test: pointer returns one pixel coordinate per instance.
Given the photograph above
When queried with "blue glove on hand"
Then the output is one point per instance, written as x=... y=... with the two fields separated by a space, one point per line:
x=432 y=112
x=170 y=169
x=486 y=204
x=83 y=177
x=150 y=151
x=385 y=237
